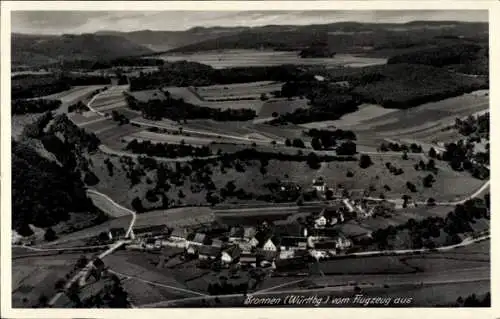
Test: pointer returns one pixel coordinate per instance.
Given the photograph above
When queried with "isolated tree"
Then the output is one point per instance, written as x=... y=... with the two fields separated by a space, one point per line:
x=316 y=143
x=431 y=165
x=212 y=198
x=90 y=179
x=329 y=194
x=428 y=180
x=137 y=205
x=274 y=114
x=81 y=262
x=405 y=198
x=432 y=153
x=59 y=285
x=365 y=161
x=487 y=200
x=297 y=142
x=230 y=187
x=181 y=194
x=346 y=148
x=405 y=155
x=345 y=193
x=411 y=186
x=50 y=235
x=43 y=301
x=313 y=161
x=288 y=143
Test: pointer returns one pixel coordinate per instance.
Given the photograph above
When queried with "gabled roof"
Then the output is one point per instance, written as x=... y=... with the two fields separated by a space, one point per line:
x=331 y=244
x=208 y=250
x=262 y=237
x=292 y=241
x=117 y=231
x=237 y=232
x=179 y=232
x=290 y=229
x=249 y=232
x=199 y=238
x=234 y=251
x=266 y=255
x=324 y=232
x=330 y=212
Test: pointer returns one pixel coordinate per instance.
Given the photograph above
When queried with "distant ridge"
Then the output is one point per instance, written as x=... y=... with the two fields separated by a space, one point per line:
x=44 y=49
x=341 y=37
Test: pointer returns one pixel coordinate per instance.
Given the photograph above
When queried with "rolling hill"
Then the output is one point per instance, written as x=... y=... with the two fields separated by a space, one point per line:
x=347 y=36
x=168 y=40
x=42 y=49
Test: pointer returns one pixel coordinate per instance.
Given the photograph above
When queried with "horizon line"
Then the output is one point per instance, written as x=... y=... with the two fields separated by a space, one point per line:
x=256 y=27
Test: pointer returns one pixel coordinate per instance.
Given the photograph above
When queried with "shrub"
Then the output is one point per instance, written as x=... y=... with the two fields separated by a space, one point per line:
x=50 y=235
x=365 y=161
x=90 y=179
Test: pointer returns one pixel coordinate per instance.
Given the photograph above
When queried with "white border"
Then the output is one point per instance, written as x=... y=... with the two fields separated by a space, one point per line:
x=222 y=313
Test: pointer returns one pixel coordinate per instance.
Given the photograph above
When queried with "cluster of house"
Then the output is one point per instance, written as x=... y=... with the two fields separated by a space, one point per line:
x=261 y=245
x=356 y=204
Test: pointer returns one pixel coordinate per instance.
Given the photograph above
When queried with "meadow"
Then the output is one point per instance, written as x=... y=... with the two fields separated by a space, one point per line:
x=245 y=58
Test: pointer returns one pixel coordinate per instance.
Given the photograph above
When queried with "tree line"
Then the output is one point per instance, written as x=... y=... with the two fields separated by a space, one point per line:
x=425 y=233
x=167 y=150
x=178 y=110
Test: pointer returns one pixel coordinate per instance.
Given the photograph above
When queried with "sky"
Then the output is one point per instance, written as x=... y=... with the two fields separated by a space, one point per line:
x=58 y=22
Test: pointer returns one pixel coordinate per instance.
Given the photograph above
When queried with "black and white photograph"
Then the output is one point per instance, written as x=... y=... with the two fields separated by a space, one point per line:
x=250 y=159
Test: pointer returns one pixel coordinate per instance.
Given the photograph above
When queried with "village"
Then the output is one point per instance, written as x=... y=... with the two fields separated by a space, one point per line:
x=263 y=244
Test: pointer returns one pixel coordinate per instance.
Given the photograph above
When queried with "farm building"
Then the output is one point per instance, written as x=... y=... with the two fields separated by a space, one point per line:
x=231 y=254
x=320 y=222
x=247 y=258
x=198 y=239
x=342 y=84
x=266 y=258
x=154 y=230
x=236 y=233
x=339 y=242
x=192 y=250
x=290 y=229
x=217 y=242
x=319 y=78
x=326 y=232
x=319 y=185
x=116 y=233
x=268 y=245
x=289 y=189
x=249 y=233
x=293 y=243
x=329 y=216
x=178 y=234
x=207 y=252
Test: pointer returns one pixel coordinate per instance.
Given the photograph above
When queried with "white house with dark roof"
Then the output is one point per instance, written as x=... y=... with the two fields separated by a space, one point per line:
x=269 y=246
x=319 y=184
